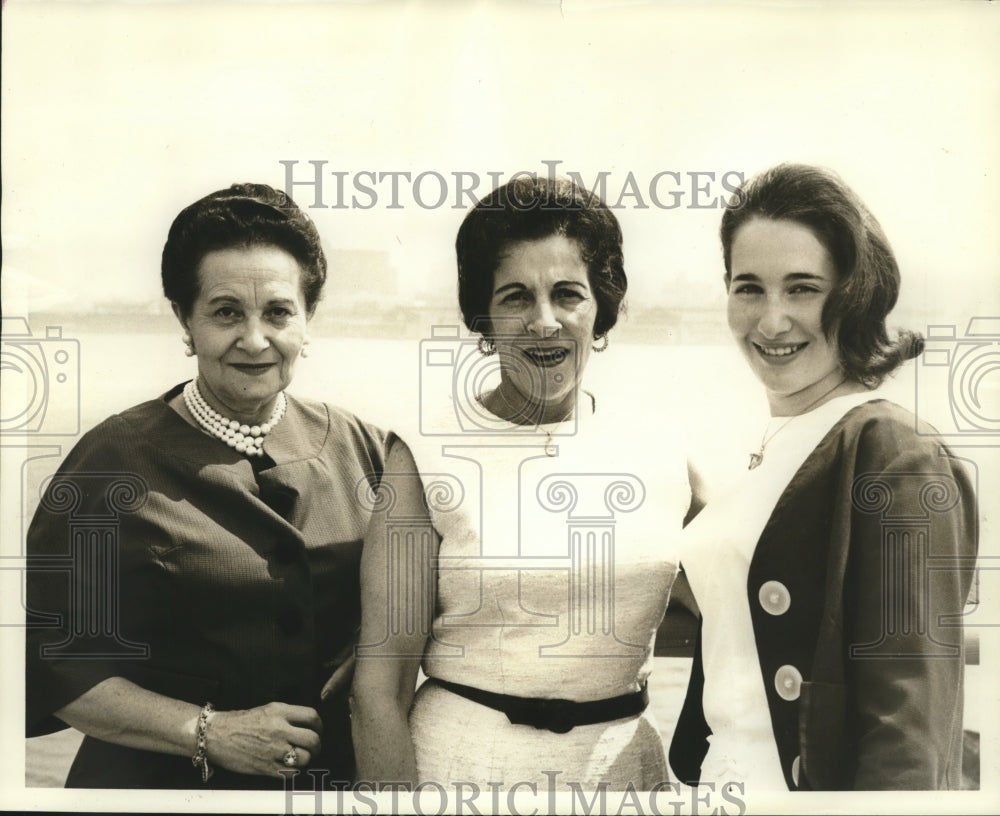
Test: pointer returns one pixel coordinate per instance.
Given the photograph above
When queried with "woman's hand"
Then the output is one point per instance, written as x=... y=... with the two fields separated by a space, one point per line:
x=252 y=741
x=256 y=740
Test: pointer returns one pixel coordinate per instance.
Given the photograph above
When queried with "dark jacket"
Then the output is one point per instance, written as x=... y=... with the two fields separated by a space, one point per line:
x=160 y=555
x=855 y=588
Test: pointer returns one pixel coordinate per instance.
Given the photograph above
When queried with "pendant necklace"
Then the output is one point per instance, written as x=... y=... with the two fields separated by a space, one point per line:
x=549 y=448
x=758 y=457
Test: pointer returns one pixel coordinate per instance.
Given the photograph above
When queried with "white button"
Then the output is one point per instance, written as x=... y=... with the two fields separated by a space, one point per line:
x=795 y=771
x=774 y=597
x=788 y=682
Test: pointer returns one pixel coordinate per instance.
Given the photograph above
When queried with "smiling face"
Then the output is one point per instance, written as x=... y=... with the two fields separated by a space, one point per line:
x=542 y=313
x=248 y=326
x=781 y=277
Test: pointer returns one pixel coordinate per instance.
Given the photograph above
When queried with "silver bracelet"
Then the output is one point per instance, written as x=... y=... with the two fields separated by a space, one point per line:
x=200 y=759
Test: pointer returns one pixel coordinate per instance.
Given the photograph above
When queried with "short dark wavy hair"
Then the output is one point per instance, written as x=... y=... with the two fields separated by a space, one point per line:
x=530 y=208
x=868 y=278
x=244 y=215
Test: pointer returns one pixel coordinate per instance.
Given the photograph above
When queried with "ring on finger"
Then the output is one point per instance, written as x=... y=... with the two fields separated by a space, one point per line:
x=291 y=757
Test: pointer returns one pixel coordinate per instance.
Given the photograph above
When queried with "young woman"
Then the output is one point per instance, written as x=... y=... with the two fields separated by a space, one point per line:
x=831 y=577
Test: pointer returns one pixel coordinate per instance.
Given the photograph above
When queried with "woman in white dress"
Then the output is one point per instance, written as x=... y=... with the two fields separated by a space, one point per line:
x=832 y=574
x=522 y=547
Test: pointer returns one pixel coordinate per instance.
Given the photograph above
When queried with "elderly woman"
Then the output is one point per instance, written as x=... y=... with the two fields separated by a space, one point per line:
x=832 y=575
x=234 y=578
x=522 y=548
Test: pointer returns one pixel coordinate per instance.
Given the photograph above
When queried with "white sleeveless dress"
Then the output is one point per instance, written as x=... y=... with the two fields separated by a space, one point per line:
x=556 y=559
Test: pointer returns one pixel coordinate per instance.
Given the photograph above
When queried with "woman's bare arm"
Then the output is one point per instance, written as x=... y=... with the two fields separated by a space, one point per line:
x=251 y=741
x=394 y=629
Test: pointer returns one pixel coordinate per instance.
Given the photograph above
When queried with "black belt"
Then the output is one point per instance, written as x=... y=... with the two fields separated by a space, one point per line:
x=555 y=715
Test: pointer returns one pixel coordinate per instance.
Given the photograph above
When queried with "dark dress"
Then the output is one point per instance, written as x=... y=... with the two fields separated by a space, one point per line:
x=162 y=556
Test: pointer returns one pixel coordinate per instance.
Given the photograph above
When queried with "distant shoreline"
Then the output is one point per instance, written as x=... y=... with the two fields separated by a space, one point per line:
x=654 y=325
x=651 y=326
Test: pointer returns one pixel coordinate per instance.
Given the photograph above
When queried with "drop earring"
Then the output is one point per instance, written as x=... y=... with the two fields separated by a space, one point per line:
x=304 y=352
x=188 y=345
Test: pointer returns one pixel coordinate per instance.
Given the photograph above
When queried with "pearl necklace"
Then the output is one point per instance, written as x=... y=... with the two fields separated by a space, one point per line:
x=248 y=439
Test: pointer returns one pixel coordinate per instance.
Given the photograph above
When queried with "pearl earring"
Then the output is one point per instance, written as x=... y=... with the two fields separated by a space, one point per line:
x=188 y=345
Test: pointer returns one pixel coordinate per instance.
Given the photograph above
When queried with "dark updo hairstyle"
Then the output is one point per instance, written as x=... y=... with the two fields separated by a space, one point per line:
x=531 y=208
x=867 y=281
x=244 y=216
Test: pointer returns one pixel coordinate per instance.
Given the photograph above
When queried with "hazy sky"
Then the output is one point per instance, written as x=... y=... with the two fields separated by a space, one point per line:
x=116 y=115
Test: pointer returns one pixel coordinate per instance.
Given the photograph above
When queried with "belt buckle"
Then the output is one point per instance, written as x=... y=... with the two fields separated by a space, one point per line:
x=555 y=715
